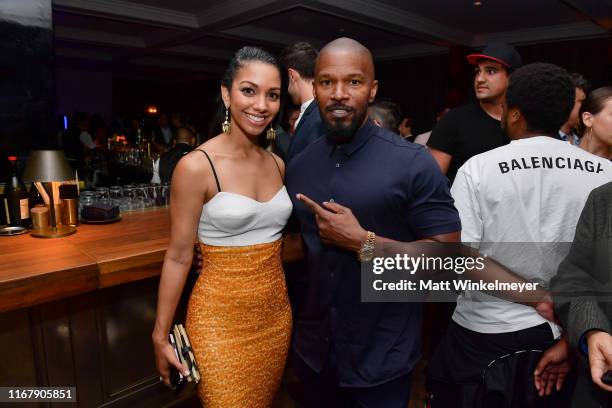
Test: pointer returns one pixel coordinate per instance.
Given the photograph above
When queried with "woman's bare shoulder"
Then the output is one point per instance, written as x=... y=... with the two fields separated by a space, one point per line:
x=193 y=166
x=212 y=146
x=279 y=162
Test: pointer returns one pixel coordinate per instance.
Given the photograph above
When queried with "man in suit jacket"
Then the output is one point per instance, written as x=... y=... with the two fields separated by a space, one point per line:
x=582 y=290
x=285 y=132
x=164 y=167
x=299 y=60
x=308 y=129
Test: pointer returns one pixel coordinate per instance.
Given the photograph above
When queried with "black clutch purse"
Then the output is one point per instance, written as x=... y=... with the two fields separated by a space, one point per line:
x=182 y=347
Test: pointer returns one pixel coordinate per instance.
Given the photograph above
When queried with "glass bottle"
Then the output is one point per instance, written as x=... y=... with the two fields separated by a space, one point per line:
x=17 y=209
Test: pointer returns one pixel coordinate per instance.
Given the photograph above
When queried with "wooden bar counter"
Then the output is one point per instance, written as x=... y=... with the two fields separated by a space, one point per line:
x=79 y=311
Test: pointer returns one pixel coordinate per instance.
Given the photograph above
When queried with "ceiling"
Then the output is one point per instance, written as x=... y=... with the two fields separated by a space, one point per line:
x=197 y=37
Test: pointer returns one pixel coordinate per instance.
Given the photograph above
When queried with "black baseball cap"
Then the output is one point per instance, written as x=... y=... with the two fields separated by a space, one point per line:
x=503 y=53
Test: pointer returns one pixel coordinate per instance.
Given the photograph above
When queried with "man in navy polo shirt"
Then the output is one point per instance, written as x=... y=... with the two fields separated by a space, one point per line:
x=358 y=186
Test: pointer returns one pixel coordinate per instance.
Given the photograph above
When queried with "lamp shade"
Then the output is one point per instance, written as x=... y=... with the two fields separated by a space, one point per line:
x=47 y=166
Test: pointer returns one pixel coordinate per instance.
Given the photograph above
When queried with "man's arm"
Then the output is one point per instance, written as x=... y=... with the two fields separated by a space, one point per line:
x=443 y=159
x=441 y=141
x=338 y=226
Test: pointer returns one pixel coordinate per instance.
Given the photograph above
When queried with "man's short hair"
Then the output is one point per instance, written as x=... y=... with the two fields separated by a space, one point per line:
x=300 y=56
x=183 y=134
x=386 y=112
x=580 y=82
x=544 y=93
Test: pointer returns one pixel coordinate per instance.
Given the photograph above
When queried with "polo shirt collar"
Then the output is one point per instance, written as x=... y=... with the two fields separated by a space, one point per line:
x=362 y=135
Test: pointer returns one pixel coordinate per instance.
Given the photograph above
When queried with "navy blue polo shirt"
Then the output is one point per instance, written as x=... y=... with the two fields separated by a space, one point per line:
x=396 y=190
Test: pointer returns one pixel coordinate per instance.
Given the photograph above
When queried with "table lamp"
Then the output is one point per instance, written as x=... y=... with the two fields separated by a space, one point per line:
x=47 y=166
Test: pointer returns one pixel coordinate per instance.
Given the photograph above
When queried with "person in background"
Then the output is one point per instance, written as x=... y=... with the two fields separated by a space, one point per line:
x=133 y=130
x=162 y=134
x=177 y=120
x=385 y=113
x=568 y=131
x=517 y=203
x=184 y=141
x=99 y=130
x=85 y=137
x=285 y=133
x=299 y=60
x=596 y=120
x=293 y=114
x=424 y=137
x=405 y=128
x=582 y=293
x=475 y=128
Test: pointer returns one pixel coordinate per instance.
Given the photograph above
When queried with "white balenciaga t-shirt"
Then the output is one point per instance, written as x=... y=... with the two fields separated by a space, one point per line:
x=529 y=193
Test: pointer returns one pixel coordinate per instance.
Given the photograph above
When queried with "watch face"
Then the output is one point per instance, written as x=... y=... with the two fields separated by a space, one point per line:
x=366 y=254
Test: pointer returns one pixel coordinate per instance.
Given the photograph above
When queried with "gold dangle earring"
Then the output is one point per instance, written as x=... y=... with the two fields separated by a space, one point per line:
x=271 y=134
x=226 y=125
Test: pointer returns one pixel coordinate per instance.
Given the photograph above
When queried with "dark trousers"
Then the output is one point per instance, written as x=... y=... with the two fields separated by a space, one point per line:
x=323 y=390
x=589 y=395
x=455 y=375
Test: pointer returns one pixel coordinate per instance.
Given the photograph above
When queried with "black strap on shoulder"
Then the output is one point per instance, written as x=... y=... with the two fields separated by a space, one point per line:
x=278 y=167
x=213 y=169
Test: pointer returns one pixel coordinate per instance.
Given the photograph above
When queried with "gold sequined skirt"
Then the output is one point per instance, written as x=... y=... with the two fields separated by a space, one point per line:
x=239 y=324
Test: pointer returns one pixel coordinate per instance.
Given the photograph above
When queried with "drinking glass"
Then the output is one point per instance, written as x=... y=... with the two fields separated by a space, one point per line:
x=115 y=195
x=103 y=195
x=151 y=195
x=127 y=201
x=164 y=195
x=140 y=198
x=86 y=198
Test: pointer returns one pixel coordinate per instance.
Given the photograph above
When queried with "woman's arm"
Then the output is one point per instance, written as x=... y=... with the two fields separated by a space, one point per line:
x=187 y=197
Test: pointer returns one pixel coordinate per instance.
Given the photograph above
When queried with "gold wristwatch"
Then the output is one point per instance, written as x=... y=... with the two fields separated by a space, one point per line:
x=366 y=252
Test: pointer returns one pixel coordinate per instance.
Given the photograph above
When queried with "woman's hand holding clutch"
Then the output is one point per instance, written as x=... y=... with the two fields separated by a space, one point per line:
x=165 y=359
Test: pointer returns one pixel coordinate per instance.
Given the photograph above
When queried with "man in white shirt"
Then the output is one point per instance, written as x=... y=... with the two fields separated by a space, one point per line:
x=299 y=60
x=518 y=204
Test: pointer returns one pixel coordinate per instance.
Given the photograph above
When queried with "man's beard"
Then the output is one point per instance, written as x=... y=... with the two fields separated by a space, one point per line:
x=338 y=132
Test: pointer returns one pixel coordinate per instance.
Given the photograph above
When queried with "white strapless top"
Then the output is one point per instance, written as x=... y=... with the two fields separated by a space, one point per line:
x=232 y=219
